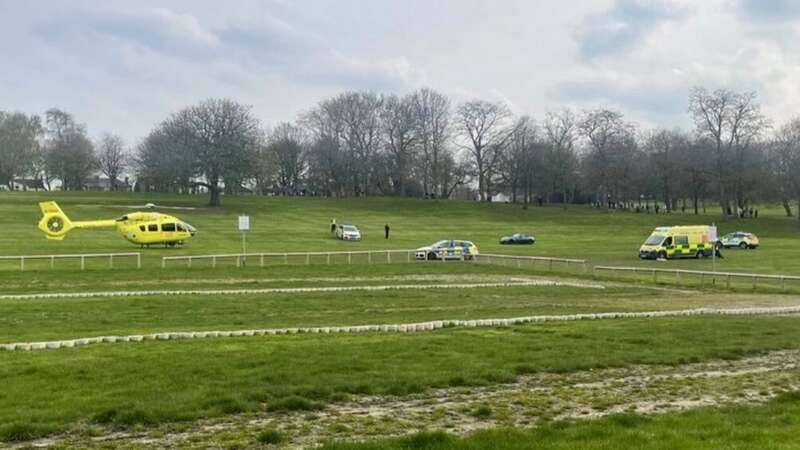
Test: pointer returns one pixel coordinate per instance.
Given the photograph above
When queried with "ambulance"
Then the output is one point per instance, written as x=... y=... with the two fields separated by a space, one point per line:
x=680 y=242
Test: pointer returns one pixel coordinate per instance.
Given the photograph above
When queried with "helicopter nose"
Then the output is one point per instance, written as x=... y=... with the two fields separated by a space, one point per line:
x=192 y=230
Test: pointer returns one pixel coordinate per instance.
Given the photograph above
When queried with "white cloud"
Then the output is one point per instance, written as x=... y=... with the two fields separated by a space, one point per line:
x=123 y=67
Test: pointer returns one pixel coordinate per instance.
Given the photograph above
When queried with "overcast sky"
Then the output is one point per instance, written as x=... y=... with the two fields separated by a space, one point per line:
x=123 y=66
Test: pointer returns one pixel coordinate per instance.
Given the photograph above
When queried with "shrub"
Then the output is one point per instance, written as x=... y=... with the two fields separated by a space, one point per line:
x=482 y=412
x=22 y=431
x=270 y=436
x=294 y=403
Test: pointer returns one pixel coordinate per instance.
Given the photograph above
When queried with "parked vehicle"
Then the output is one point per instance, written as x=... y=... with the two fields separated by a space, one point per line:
x=517 y=238
x=348 y=233
x=679 y=242
x=740 y=239
x=448 y=250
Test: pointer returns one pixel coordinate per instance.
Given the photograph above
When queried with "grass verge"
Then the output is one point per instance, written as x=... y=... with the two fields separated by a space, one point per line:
x=770 y=426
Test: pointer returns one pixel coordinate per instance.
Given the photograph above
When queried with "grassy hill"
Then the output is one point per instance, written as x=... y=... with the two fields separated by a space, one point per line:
x=302 y=224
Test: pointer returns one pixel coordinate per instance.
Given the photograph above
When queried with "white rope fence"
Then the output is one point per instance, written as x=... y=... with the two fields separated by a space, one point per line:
x=82 y=257
x=197 y=292
x=396 y=328
x=754 y=278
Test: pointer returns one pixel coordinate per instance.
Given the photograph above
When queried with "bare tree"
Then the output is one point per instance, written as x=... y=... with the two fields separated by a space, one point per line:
x=69 y=153
x=611 y=141
x=111 y=157
x=219 y=138
x=520 y=164
x=560 y=158
x=488 y=128
x=19 y=145
x=785 y=162
x=162 y=164
x=666 y=162
x=361 y=134
x=400 y=133
x=329 y=166
x=455 y=173
x=286 y=146
x=732 y=121
x=433 y=118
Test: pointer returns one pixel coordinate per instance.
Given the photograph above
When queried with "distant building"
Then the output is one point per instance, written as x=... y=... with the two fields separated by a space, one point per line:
x=98 y=183
x=24 y=184
x=501 y=198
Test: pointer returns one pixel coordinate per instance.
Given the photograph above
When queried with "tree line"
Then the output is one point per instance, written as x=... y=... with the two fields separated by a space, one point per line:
x=422 y=145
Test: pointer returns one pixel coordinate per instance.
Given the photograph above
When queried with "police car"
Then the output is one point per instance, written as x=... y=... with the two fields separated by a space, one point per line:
x=739 y=239
x=448 y=250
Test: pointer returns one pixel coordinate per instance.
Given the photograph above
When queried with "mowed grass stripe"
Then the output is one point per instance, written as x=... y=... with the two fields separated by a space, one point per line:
x=42 y=320
x=164 y=381
x=217 y=292
x=391 y=328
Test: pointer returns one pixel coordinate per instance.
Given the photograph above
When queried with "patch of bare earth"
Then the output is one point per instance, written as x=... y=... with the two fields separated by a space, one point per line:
x=532 y=400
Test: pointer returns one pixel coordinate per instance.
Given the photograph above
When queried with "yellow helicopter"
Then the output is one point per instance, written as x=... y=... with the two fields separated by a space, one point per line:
x=143 y=228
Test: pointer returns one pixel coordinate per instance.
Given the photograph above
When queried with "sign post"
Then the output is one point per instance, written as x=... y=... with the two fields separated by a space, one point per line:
x=244 y=227
x=712 y=236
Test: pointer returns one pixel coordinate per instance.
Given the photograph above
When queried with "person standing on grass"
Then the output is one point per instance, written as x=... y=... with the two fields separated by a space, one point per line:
x=386 y=231
x=333 y=225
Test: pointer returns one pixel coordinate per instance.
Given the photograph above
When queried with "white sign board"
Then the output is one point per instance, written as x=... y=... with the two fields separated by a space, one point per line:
x=712 y=234
x=244 y=223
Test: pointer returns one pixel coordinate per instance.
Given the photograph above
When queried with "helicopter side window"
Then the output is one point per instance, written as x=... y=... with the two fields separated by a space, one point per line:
x=180 y=228
x=152 y=227
x=168 y=227
x=141 y=227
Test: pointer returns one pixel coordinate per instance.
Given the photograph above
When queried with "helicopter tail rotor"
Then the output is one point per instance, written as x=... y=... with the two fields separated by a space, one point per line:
x=54 y=223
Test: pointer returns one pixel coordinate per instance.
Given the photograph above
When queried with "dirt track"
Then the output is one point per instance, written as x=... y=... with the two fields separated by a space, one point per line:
x=532 y=399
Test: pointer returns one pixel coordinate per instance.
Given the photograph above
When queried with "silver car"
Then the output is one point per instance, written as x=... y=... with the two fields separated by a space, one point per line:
x=348 y=233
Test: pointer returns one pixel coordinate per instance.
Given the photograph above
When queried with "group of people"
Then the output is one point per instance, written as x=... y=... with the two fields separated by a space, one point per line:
x=747 y=212
x=386 y=228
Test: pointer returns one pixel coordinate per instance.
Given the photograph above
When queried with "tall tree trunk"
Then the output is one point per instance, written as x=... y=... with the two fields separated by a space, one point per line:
x=787 y=207
x=213 y=191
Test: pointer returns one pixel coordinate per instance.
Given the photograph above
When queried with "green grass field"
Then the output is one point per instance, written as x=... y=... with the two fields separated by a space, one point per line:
x=301 y=224
x=295 y=383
